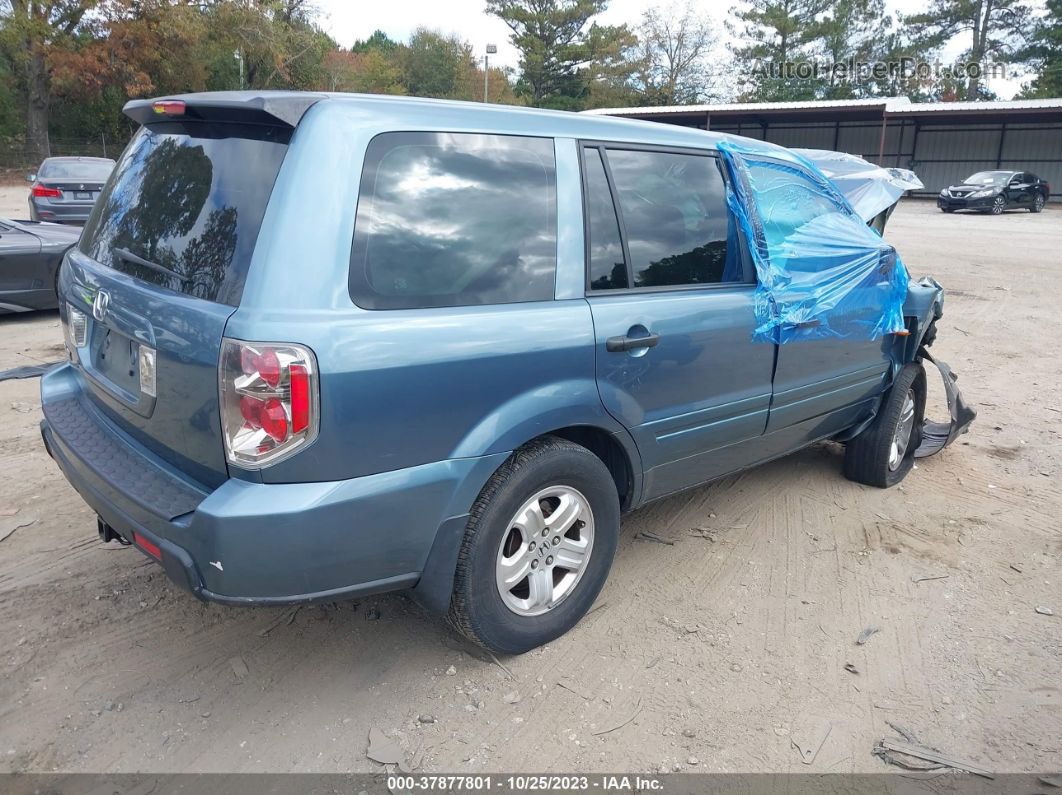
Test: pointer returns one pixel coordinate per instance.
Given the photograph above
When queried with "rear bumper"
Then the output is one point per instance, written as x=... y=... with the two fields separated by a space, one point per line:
x=252 y=543
x=952 y=203
x=60 y=212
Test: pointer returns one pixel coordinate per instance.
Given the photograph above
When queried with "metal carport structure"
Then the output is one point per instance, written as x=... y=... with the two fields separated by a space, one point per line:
x=942 y=141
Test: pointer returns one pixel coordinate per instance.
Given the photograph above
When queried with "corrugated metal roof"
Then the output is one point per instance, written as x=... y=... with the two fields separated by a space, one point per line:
x=951 y=107
x=751 y=106
x=889 y=104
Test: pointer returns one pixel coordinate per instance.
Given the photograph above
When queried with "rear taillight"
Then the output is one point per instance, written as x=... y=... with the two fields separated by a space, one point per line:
x=268 y=401
x=44 y=192
x=76 y=327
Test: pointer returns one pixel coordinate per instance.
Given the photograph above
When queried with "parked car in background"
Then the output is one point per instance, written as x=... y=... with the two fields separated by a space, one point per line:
x=30 y=255
x=503 y=328
x=65 y=188
x=996 y=192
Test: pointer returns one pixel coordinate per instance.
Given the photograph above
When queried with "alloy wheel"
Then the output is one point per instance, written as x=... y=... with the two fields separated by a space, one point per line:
x=901 y=439
x=545 y=551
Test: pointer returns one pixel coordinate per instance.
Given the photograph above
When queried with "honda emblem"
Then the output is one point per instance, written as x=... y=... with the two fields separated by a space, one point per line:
x=99 y=306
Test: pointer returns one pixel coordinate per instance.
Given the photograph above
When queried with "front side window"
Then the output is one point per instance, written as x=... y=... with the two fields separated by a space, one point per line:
x=675 y=218
x=455 y=219
x=790 y=205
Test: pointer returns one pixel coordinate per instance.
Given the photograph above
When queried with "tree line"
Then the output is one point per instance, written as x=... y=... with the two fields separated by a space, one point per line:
x=67 y=66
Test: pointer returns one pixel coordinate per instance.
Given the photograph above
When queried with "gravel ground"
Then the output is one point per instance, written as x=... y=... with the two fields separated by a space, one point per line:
x=726 y=649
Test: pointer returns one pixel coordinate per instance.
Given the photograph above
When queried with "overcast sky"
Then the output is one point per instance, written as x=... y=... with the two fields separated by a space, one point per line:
x=347 y=21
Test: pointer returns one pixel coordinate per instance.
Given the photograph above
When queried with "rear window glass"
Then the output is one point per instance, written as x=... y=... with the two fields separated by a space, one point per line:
x=453 y=219
x=75 y=169
x=184 y=205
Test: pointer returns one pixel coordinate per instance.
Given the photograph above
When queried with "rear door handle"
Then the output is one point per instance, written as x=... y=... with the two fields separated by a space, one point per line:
x=620 y=344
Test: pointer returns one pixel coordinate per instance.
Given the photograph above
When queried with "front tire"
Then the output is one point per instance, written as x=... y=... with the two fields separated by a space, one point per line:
x=537 y=549
x=883 y=453
x=999 y=204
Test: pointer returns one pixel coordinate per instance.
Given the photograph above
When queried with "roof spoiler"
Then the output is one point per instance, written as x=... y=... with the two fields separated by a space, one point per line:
x=286 y=108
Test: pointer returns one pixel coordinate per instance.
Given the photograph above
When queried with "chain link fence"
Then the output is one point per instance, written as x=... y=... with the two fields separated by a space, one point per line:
x=18 y=156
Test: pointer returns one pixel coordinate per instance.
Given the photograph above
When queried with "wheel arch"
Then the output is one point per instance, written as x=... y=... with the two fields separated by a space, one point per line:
x=614 y=447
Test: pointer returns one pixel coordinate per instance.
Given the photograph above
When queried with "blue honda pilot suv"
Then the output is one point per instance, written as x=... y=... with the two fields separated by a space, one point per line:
x=324 y=346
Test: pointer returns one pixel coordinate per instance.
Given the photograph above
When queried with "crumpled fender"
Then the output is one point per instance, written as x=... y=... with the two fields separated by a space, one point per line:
x=938 y=435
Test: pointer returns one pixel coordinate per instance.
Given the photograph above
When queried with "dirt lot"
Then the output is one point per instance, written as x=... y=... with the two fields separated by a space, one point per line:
x=723 y=650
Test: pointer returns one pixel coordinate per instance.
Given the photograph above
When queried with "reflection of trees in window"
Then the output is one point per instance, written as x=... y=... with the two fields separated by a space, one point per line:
x=205 y=260
x=616 y=280
x=702 y=265
x=174 y=187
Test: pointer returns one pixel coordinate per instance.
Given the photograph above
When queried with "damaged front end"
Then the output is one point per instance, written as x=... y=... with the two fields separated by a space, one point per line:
x=922 y=309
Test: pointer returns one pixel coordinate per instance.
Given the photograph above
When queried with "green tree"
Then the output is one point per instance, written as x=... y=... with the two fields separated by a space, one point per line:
x=34 y=32
x=997 y=31
x=773 y=36
x=560 y=47
x=433 y=63
x=852 y=33
x=377 y=41
x=1044 y=51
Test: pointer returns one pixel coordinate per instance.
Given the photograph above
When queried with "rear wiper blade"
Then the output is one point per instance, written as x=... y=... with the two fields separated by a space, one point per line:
x=129 y=256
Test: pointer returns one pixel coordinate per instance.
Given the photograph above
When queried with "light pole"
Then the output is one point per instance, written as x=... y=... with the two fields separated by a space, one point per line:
x=491 y=50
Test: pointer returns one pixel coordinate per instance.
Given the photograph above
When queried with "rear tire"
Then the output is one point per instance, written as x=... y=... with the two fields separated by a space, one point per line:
x=551 y=485
x=883 y=453
x=1038 y=203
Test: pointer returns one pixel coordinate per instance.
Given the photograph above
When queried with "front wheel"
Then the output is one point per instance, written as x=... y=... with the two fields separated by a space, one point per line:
x=883 y=453
x=1038 y=203
x=537 y=549
x=999 y=204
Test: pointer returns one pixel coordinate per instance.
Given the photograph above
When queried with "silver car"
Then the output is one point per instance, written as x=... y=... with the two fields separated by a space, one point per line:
x=65 y=188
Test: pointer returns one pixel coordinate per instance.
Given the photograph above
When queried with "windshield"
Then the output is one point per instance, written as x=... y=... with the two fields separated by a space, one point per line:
x=989 y=178
x=76 y=169
x=183 y=207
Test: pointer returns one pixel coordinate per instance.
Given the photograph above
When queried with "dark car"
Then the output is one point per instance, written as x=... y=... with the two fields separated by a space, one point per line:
x=65 y=188
x=996 y=191
x=30 y=255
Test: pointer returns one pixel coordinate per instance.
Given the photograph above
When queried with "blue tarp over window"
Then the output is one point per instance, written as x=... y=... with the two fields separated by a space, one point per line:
x=822 y=272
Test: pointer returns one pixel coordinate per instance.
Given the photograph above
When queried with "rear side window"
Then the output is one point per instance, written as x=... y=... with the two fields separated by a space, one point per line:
x=675 y=218
x=455 y=219
x=184 y=205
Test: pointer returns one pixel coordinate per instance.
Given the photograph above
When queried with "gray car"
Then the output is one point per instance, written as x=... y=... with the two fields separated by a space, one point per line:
x=65 y=188
x=30 y=255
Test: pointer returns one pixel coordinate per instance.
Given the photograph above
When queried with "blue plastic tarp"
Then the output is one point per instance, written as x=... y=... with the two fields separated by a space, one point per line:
x=822 y=272
x=869 y=189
